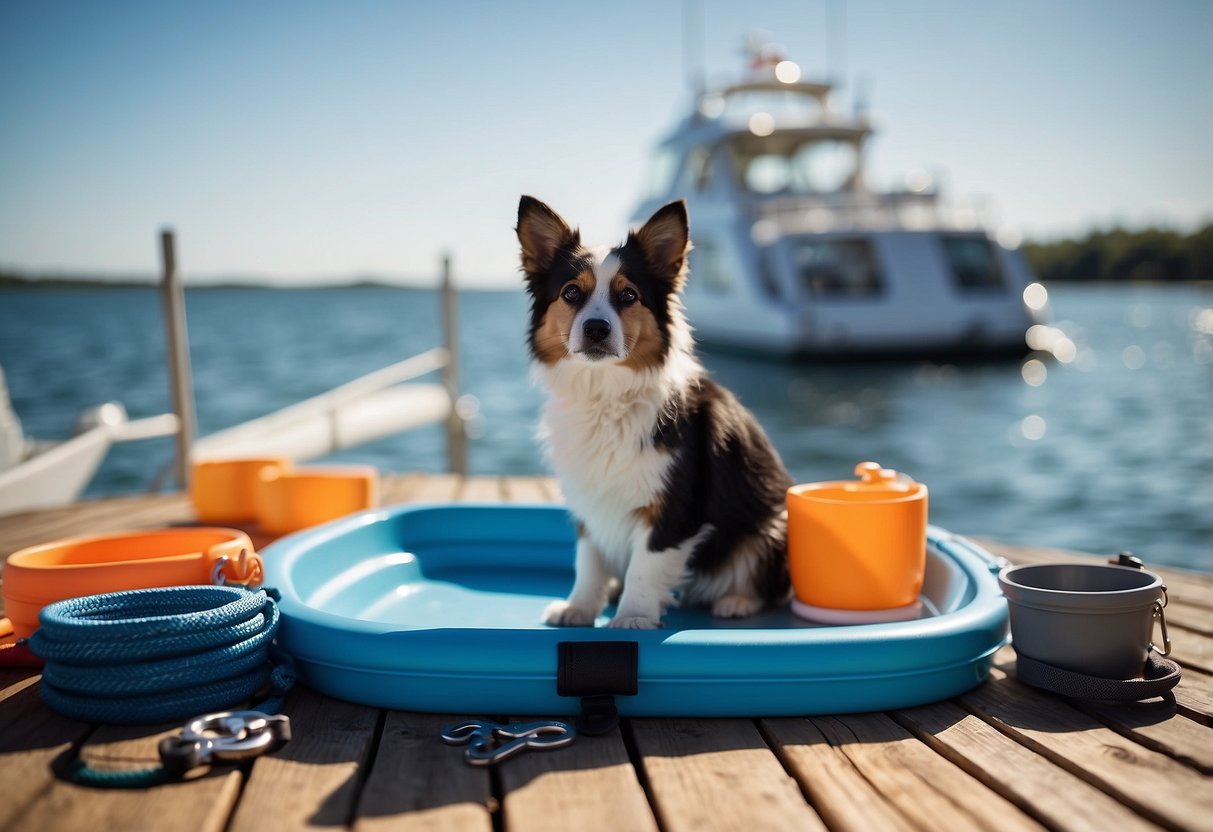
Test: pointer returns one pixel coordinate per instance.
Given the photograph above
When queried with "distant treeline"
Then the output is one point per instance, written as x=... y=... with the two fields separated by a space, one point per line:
x=1151 y=254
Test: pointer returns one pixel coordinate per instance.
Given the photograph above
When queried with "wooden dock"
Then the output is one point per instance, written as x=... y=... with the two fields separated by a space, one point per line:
x=1003 y=756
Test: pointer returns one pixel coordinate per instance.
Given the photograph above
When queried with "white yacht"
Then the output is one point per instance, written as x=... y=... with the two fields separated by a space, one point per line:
x=795 y=255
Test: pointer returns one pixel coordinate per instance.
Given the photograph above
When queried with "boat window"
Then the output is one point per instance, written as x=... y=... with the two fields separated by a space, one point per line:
x=831 y=267
x=662 y=169
x=768 y=174
x=973 y=262
x=823 y=166
x=709 y=267
x=804 y=167
x=767 y=279
x=699 y=168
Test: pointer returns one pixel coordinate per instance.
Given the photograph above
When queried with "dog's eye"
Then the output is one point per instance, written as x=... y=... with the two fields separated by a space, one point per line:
x=571 y=293
x=628 y=296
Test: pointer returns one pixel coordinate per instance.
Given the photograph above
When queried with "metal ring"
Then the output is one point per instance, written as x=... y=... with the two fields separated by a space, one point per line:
x=217 y=576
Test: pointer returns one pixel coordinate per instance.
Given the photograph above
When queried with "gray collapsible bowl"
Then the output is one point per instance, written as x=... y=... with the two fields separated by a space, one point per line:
x=1089 y=618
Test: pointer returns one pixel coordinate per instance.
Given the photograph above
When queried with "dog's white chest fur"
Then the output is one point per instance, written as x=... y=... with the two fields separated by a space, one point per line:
x=598 y=428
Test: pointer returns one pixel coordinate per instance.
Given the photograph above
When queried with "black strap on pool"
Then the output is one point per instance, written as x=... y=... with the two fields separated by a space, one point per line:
x=1160 y=675
x=597 y=671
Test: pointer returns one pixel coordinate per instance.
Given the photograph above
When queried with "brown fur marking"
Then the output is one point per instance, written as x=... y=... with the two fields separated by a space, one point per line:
x=641 y=334
x=551 y=338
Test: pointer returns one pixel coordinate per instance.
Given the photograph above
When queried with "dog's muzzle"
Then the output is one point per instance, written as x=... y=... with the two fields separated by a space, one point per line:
x=596 y=340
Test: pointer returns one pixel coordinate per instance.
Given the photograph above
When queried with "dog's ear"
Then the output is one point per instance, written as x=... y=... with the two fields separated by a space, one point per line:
x=541 y=233
x=665 y=240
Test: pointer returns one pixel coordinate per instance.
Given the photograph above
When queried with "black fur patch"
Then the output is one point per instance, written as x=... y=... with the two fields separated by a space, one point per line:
x=724 y=472
x=655 y=289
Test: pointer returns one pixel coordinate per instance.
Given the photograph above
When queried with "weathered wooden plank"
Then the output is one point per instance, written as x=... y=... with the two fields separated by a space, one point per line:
x=1194 y=696
x=1153 y=784
x=314 y=780
x=717 y=774
x=528 y=490
x=1160 y=724
x=32 y=737
x=481 y=490
x=840 y=793
x=418 y=783
x=928 y=789
x=1192 y=649
x=154 y=512
x=90 y=517
x=438 y=488
x=399 y=488
x=1187 y=616
x=201 y=802
x=589 y=785
x=1043 y=790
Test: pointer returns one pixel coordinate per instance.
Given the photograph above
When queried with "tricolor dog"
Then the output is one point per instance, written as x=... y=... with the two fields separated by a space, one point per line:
x=676 y=491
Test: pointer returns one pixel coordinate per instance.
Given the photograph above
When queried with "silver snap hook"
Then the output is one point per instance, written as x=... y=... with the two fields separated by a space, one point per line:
x=1162 y=620
x=488 y=743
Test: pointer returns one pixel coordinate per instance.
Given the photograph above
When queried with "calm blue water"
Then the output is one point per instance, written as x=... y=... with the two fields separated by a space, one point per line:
x=1114 y=450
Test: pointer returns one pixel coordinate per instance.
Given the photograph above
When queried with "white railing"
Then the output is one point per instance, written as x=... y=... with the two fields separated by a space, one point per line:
x=867 y=211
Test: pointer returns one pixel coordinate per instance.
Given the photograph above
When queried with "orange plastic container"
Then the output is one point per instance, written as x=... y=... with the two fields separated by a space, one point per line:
x=226 y=490
x=73 y=567
x=857 y=548
x=291 y=500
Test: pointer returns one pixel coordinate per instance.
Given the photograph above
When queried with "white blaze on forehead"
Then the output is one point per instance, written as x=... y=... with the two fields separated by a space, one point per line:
x=605 y=266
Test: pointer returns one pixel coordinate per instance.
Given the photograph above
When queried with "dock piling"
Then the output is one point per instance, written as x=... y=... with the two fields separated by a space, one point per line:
x=172 y=294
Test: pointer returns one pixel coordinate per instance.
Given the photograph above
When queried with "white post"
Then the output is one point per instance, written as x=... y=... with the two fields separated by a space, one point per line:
x=456 y=431
x=178 y=350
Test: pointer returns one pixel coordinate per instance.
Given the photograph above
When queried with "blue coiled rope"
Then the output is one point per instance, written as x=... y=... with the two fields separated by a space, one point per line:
x=159 y=655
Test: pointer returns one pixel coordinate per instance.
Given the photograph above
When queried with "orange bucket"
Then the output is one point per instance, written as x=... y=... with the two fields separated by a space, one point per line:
x=291 y=500
x=857 y=548
x=78 y=566
x=225 y=490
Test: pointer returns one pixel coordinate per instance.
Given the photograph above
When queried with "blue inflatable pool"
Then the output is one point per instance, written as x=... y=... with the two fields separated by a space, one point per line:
x=437 y=608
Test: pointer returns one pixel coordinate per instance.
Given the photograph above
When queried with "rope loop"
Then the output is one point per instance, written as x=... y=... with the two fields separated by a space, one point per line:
x=158 y=655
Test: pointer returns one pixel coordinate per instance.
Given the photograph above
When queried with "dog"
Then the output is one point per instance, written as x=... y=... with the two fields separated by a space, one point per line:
x=675 y=489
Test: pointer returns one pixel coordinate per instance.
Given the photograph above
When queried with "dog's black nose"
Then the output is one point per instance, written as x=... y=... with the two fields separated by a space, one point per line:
x=596 y=330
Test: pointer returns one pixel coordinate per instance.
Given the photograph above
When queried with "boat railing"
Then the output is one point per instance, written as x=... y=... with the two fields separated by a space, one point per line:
x=319 y=425
x=867 y=211
x=378 y=404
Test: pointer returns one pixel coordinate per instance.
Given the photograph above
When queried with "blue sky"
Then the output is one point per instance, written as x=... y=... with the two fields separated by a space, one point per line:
x=305 y=141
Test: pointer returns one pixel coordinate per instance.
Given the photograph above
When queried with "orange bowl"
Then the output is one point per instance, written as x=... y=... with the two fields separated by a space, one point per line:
x=73 y=567
x=225 y=490
x=291 y=500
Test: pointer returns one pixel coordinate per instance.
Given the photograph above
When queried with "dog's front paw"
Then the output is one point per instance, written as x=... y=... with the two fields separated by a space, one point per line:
x=564 y=614
x=635 y=622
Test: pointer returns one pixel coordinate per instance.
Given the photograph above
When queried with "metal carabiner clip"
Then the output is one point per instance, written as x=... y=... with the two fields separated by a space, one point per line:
x=490 y=742
x=229 y=736
x=1159 y=607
